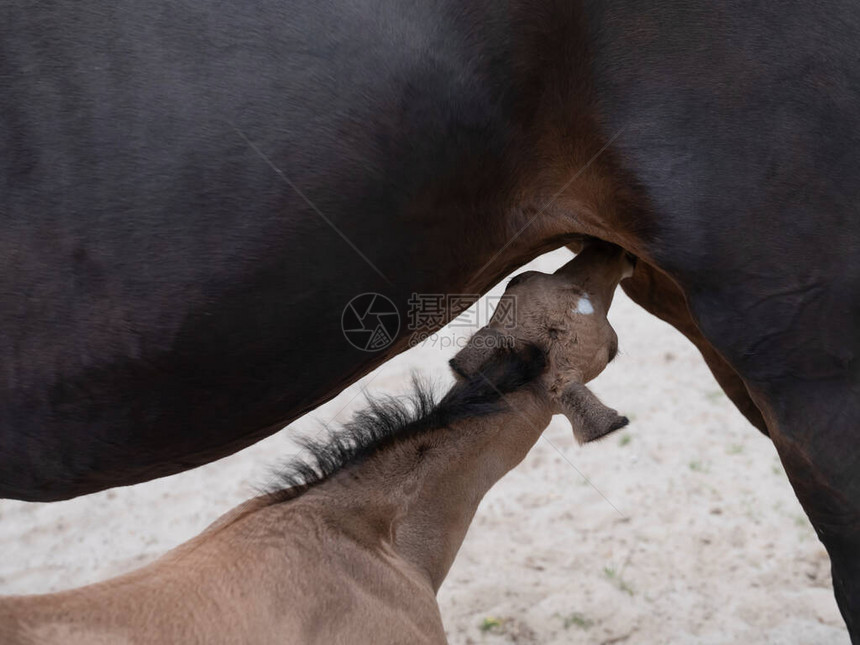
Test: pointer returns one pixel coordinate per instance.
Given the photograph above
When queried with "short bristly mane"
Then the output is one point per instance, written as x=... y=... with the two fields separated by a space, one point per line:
x=388 y=421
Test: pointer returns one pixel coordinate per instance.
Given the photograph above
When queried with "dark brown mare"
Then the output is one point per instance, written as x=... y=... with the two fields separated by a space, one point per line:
x=193 y=192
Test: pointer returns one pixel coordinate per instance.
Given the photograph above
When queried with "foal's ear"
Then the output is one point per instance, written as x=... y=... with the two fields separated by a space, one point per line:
x=482 y=346
x=589 y=417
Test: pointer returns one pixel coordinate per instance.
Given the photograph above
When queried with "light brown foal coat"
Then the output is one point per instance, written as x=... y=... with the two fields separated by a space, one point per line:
x=359 y=556
x=355 y=559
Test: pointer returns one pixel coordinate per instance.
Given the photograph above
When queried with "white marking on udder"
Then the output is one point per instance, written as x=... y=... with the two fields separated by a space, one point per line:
x=584 y=306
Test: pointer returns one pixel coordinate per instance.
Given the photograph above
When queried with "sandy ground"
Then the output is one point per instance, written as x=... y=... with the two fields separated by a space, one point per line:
x=681 y=529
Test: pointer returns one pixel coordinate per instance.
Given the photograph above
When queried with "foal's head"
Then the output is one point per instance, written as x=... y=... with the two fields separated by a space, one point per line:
x=563 y=314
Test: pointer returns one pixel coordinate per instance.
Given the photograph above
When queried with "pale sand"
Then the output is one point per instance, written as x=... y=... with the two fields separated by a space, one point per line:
x=701 y=539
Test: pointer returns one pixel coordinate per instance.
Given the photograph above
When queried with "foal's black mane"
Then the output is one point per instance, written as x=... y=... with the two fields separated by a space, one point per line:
x=388 y=421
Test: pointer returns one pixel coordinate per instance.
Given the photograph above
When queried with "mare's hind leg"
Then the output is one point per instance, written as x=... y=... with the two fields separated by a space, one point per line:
x=654 y=291
x=796 y=347
x=816 y=430
x=815 y=426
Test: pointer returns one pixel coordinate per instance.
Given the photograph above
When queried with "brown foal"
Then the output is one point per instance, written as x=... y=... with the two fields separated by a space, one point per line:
x=356 y=547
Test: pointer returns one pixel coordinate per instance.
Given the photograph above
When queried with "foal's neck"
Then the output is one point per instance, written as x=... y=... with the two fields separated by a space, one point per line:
x=426 y=490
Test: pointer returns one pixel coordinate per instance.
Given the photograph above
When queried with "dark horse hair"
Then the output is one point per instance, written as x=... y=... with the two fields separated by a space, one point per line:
x=388 y=421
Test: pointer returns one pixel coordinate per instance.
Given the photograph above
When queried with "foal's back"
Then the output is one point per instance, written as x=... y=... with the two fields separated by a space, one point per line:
x=283 y=573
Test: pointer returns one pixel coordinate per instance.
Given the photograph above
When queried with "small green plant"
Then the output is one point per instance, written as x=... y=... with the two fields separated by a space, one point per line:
x=735 y=449
x=577 y=619
x=489 y=624
x=625 y=439
x=617 y=580
x=714 y=395
x=698 y=467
